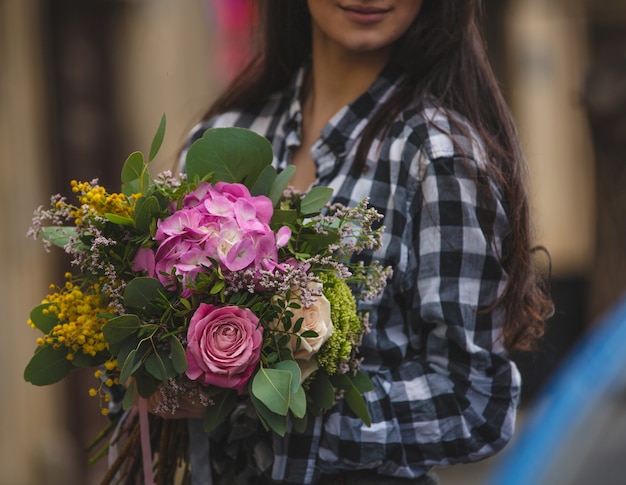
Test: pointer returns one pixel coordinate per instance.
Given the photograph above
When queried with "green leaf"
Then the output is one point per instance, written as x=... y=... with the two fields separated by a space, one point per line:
x=141 y=292
x=273 y=388
x=43 y=321
x=223 y=404
x=129 y=396
x=270 y=420
x=315 y=243
x=283 y=217
x=120 y=351
x=281 y=183
x=293 y=367
x=47 y=366
x=145 y=211
x=263 y=184
x=315 y=200
x=177 y=352
x=362 y=382
x=146 y=384
x=129 y=188
x=341 y=381
x=135 y=176
x=297 y=403
x=120 y=328
x=155 y=366
x=85 y=360
x=59 y=235
x=299 y=424
x=122 y=221
x=130 y=365
x=353 y=396
x=158 y=139
x=322 y=391
x=355 y=401
x=133 y=168
x=234 y=155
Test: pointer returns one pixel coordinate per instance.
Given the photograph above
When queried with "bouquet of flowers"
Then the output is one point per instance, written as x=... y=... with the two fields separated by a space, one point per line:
x=220 y=285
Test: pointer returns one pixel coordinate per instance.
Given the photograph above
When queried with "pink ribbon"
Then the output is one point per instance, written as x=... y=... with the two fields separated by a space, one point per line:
x=146 y=452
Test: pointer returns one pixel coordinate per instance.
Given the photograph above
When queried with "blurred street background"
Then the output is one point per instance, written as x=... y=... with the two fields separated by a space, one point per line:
x=83 y=83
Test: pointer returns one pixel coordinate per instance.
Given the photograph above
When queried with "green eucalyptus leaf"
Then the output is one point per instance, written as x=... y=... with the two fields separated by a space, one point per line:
x=315 y=200
x=314 y=243
x=271 y=421
x=82 y=360
x=263 y=184
x=223 y=404
x=130 y=365
x=296 y=374
x=129 y=396
x=158 y=139
x=146 y=383
x=362 y=381
x=47 y=366
x=133 y=168
x=177 y=352
x=322 y=391
x=130 y=188
x=297 y=403
x=155 y=365
x=281 y=183
x=283 y=217
x=122 y=221
x=273 y=388
x=124 y=348
x=120 y=328
x=147 y=210
x=341 y=381
x=44 y=321
x=355 y=401
x=141 y=293
x=299 y=424
x=59 y=235
x=234 y=155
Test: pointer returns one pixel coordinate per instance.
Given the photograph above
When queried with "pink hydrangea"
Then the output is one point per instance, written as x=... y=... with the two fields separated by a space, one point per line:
x=221 y=223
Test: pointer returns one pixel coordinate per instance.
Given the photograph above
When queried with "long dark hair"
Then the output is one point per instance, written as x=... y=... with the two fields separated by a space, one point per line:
x=444 y=56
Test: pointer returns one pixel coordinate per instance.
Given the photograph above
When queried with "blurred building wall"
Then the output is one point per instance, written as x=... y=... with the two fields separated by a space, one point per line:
x=164 y=53
x=34 y=445
x=546 y=69
x=546 y=65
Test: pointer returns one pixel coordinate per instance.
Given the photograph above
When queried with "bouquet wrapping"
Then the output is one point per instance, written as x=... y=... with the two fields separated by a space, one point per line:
x=220 y=285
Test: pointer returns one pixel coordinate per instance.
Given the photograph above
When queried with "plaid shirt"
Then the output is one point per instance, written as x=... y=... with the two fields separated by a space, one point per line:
x=445 y=391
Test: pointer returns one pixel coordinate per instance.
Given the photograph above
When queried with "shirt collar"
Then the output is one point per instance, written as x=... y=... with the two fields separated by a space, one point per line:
x=345 y=127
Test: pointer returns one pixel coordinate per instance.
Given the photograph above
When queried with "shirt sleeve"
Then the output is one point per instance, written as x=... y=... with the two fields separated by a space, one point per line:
x=453 y=394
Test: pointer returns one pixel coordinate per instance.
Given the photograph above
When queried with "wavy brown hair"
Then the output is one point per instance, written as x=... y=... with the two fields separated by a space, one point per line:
x=444 y=56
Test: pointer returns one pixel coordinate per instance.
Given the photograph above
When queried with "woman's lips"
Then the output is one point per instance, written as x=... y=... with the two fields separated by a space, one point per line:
x=365 y=15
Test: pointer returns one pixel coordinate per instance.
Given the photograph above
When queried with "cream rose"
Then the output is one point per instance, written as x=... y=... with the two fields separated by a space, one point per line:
x=316 y=317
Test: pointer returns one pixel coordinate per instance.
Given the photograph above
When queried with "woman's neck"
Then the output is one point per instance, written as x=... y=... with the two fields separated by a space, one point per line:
x=337 y=77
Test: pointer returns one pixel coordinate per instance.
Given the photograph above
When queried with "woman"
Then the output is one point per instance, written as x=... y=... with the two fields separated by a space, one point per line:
x=394 y=100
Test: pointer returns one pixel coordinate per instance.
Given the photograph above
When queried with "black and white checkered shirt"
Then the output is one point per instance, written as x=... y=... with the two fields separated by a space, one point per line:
x=445 y=391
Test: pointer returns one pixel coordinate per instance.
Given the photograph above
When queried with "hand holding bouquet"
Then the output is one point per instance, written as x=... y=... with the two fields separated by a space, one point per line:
x=222 y=283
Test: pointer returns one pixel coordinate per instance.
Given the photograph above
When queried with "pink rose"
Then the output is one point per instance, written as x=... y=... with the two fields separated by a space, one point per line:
x=223 y=346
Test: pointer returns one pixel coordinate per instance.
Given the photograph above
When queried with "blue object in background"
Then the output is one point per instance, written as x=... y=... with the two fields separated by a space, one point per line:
x=575 y=431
